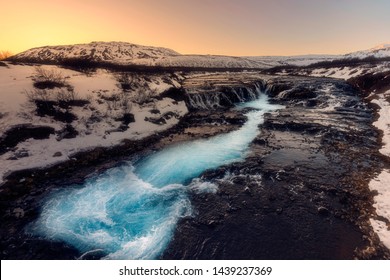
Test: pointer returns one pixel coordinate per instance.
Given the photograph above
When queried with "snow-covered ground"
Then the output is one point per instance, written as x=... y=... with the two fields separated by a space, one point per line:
x=97 y=122
x=343 y=72
x=382 y=182
x=297 y=60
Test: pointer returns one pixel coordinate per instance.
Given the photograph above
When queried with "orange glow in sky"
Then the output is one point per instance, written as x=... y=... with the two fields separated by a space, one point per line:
x=230 y=27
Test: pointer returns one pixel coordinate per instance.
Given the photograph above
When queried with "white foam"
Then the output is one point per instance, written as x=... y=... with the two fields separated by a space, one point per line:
x=117 y=212
x=199 y=186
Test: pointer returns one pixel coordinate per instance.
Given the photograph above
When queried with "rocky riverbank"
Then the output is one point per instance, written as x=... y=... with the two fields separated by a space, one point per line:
x=303 y=191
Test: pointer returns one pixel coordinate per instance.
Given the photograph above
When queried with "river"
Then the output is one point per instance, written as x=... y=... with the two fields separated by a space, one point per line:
x=131 y=211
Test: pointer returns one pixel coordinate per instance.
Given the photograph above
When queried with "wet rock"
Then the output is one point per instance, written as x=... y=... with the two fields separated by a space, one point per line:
x=323 y=211
x=93 y=255
x=297 y=93
x=18 y=212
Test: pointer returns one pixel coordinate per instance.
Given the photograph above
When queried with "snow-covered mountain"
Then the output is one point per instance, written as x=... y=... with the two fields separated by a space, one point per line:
x=131 y=54
x=379 y=51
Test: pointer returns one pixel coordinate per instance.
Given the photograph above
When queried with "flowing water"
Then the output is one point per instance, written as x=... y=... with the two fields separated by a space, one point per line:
x=131 y=211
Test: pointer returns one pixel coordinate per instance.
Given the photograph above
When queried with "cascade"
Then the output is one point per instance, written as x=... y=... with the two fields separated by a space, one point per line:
x=224 y=98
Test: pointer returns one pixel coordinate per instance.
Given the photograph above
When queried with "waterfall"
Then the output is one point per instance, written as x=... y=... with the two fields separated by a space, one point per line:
x=223 y=97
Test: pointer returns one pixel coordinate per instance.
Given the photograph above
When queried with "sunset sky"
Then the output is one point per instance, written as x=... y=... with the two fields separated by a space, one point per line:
x=229 y=27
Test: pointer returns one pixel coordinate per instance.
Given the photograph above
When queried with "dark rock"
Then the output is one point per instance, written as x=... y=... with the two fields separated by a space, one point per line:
x=21 y=153
x=155 y=111
x=57 y=154
x=128 y=118
x=68 y=132
x=159 y=121
x=176 y=94
x=297 y=93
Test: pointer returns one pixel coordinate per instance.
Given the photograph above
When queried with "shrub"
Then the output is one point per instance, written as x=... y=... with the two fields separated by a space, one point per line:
x=5 y=54
x=55 y=103
x=49 y=79
x=58 y=96
x=127 y=105
x=125 y=80
x=144 y=96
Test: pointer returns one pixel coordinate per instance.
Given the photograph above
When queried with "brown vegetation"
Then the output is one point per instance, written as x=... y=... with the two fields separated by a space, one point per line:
x=5 y=54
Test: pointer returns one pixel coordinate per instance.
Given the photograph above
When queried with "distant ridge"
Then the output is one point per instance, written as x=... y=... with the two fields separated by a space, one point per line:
x=128 y=54
x=379 y=51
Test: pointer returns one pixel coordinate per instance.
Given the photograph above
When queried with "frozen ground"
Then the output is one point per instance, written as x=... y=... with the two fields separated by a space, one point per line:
x=98 y=122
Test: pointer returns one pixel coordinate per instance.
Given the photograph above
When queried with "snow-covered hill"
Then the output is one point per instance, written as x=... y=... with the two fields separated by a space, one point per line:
x=119 y=52
x=131 y=54
x=379 y=51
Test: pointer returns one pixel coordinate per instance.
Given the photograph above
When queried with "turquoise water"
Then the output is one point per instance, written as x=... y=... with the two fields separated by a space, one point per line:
x=131 y=211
